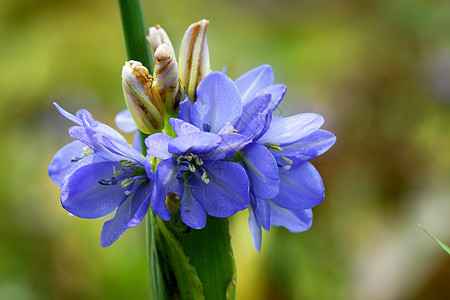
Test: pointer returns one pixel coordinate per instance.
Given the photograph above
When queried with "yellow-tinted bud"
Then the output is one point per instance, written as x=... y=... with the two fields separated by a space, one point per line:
x=166 y=77
x=156 y=37
x=142 y=99
x=193 y=64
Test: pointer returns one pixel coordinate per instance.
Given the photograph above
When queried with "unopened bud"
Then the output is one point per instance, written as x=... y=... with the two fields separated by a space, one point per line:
x=166 y=77
x=193 y=64
x=142 y=99
x=156 y=37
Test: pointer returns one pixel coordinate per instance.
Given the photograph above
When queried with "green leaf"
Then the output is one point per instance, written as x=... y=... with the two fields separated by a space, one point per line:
x=171 y=274
x=443 y=246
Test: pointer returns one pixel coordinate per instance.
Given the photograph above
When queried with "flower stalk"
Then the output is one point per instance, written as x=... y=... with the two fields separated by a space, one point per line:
x=184 y=263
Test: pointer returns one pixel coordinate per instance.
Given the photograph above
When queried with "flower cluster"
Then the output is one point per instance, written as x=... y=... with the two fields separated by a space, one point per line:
x=222 y=151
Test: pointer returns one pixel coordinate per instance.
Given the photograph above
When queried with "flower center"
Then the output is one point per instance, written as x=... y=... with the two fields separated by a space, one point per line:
x=191 y=163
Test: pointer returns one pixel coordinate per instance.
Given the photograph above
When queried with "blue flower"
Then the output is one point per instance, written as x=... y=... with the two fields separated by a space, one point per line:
x=100 y=173
x=194 y=164
x=284 y=186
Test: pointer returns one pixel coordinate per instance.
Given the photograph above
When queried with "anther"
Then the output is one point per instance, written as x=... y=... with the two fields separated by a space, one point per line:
x=287 y=160
x=206 y=127
x=110 y=181
x=126 y=182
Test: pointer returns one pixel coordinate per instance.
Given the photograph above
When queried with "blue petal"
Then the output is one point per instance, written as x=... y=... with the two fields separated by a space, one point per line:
x=67 y=115
x=254 y=81
x=181 y=127
x=92 y=138
x=301 y=187
x=191 y=212
x=218 y=102
x=253 y=118
x=255 y=229
x=308 y=147
x=165 y=183
x=158 y=145
x=137 y=142
x=293 y=220
x=227 y=190
x=83 y=196
x=289 y=130
x=197 y=143
x=62 y=161
x=231 y=142
x=124 y=121
x=263 y=171
x=262 y=212
x=277 y=92
x=120 y=148
x=184 y=111
x=129 y=214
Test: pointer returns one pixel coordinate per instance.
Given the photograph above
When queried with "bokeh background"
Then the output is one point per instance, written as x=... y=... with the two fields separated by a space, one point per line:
x=378 y=71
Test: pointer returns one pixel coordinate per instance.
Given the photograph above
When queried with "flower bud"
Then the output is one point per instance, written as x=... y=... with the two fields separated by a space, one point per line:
x=193 y=64
x=166 y=77
x=156 y=37
x=142 y=99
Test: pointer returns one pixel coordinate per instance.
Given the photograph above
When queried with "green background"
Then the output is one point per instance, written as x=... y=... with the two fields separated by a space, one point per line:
x=378 y=71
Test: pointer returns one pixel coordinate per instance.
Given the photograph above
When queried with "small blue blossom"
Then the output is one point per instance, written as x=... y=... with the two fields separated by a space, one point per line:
x=99 y=173
x=284 y=186
x=193 y=164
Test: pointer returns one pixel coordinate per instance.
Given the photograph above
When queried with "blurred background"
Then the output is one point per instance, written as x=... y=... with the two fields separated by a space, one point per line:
x=377 y=70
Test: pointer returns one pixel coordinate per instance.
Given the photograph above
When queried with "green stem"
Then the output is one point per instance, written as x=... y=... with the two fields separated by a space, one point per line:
x=134 y=31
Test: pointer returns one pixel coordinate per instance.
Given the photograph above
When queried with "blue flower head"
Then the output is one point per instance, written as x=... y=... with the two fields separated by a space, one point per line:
x=99 y=173
x=194 y=164
x=284 y=186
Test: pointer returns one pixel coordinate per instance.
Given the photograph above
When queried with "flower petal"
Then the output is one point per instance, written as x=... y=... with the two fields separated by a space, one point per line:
x=308 y=147
x=129 y=214
x=262 y=212
x=253 y=81
x=263 y=171
x=277 y=92
x=253 y=118
x=289 y=130
x=227 y=190
x=165 y=183
x=218 y=102
x=184 y=110
x=191 y=212
x=124 y=121
x=158 y=145
x=196 y=142
x=62 y=161
x=255 y=229
x=120 y=148
x=181 y=127
x=231 y=142
x=83 y=196
x=301 y=187
x=137 y=142
x=293 y=220
x=68 y=115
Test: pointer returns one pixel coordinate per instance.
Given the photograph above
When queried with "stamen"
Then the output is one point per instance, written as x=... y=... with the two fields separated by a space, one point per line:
x=287 y=167
x=198 y=161
x=86 y=149
x=205 y=178
x=126 y=182
x=117 y=172
x=287 y=160
x=274 y=147
x=191 y=168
